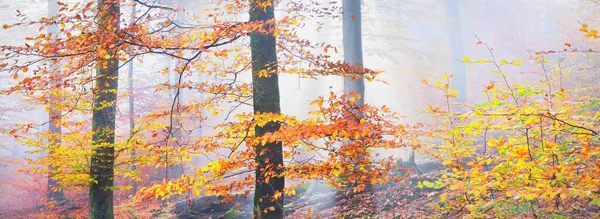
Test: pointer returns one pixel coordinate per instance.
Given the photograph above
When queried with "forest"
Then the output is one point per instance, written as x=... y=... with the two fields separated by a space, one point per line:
x=299 y=109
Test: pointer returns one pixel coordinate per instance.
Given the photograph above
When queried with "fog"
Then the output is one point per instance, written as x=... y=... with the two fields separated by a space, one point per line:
x=408 y=40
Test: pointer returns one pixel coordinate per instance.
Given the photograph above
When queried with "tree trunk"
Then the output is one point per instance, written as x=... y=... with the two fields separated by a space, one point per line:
x=353 y=52
x=53 y=192
x=353 y=47
x=459 y=69
x=176 y=170
x=269 y=156
x=103 y=116
x=131 y=107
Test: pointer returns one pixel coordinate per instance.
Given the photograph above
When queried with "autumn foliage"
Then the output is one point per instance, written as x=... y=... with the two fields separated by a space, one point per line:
x=530 y=150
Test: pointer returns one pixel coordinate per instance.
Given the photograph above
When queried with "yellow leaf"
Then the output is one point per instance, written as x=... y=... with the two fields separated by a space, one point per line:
x=263 y=73
x=453 y=93
x=292 y=192
x=334 y=134
x=517 y=62
x=443 y=197
x=229 y=7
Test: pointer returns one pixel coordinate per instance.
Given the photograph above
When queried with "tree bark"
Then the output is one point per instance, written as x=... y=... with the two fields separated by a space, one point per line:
x=353 y=54
x=103 y=116
x=269 y=156
x=53 y=192
x=131 y=107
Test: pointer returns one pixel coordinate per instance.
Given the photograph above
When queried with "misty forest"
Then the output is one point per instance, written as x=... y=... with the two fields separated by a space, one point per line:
x=299 y=109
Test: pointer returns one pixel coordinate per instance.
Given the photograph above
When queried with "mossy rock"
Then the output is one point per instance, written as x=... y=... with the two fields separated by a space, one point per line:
x=302 y=188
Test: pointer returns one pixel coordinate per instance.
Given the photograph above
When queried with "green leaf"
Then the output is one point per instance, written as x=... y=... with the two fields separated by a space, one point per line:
x=428 y=184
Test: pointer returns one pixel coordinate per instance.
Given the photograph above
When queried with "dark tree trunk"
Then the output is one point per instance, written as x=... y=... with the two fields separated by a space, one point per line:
x=103 y=116
x=266 y=100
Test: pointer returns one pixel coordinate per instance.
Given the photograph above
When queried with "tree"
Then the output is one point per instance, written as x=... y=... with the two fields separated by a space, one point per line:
x=103 y=115
x=354 y=87
x=54 y=193
x=265 y=90
x=459 y=69
x=131 y=105
x=245 y=151
x=532 y=145
x=353 y=49
x=175 y=170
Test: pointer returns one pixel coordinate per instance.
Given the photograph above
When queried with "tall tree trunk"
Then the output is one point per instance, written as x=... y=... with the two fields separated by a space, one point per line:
x=103 y=116
x=166 y=61
x=353 y=47
x=53 y=192
x=269 y=156
x=353 y=51
x=176 y=170
x=459 y=69
x=131 y=107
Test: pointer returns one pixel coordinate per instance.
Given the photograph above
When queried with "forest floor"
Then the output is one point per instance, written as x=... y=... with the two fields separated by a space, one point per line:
x=394 y=200
x=313 y=200
x=403 y=199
